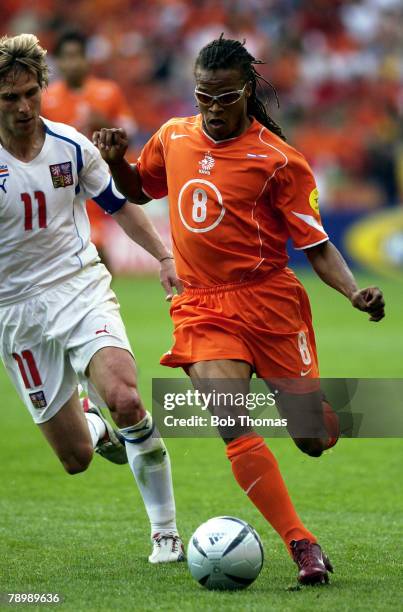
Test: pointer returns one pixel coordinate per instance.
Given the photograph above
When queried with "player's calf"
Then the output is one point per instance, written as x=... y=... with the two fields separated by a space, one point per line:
x=332 y=423
x=124 y=404
x=311 y=421
x=78 y=459
x=313 y=447
x=68 y=434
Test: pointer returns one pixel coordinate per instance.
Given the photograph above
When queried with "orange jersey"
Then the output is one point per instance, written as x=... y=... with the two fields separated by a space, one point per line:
x=81 y=108
x=233 y=203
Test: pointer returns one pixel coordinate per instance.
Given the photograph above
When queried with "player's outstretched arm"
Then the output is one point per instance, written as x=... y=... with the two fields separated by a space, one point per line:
x=330 y=266
x=139 y=228
x=112 y=144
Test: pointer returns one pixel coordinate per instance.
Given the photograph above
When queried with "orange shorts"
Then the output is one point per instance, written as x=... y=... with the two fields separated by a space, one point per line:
x=266 y=323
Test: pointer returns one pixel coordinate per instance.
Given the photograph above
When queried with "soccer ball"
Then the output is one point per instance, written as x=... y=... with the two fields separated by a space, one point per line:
x=225 y=553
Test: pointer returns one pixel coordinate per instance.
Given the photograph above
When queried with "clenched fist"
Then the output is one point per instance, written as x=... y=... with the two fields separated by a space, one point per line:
x=112 y=144
x=370 y=300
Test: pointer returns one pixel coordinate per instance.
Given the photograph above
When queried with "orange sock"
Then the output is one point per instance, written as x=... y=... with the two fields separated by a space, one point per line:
x=256 y=471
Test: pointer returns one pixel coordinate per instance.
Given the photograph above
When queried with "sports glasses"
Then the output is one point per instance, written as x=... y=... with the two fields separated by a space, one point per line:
x=224 y=99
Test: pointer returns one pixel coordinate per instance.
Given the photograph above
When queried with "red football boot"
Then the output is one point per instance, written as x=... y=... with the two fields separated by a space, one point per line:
x=312 y=563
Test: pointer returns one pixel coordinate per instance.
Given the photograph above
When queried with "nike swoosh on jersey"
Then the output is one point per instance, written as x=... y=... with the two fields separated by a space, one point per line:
x=256 y=155
x=174 y=136
x=306 y=372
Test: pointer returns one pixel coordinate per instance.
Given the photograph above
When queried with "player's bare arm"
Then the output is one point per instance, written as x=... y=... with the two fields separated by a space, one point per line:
x=140 y=229
x=112 y=144
x=330 y=266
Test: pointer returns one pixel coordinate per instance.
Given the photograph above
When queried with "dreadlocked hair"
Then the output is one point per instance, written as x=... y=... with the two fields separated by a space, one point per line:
x=224 y=53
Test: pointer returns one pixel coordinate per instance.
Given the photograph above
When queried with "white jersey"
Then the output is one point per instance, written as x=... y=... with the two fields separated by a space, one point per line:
x=44 y=226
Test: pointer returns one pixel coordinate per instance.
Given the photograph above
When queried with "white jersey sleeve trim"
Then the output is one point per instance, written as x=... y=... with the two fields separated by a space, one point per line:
x=309 y=246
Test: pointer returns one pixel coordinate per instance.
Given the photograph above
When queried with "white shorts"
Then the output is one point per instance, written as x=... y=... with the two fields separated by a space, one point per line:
x=47 y=342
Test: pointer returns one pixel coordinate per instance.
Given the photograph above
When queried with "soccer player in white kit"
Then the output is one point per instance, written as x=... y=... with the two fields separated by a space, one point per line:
x=59 y=319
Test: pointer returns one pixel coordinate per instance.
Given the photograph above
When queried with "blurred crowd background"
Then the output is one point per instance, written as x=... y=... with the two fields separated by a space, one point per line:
x=337 y=66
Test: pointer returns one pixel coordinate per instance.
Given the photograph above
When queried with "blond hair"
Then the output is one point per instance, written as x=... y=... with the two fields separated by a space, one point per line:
x=23 y=52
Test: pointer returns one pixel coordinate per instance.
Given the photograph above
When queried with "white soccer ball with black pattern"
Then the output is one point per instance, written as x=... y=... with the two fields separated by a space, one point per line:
x=225 y=553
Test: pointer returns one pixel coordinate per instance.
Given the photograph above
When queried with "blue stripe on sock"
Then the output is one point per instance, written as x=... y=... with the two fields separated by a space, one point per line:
x=139 y=440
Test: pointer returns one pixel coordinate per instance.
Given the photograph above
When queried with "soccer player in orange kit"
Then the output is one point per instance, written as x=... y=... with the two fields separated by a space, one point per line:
x=87 y=103
x=237 y=191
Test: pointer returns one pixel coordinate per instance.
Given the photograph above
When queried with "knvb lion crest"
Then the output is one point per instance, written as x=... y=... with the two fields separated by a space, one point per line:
x=207 y=163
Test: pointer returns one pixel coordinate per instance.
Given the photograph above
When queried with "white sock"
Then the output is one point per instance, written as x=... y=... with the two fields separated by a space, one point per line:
x=150 y=464
x=96 y=426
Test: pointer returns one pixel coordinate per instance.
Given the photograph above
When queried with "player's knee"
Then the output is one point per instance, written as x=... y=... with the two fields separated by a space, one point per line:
x=125 y=405
x=78 y=461
x=310 y=446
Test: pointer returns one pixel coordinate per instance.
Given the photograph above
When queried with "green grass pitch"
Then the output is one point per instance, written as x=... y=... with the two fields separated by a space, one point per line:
x=86 y=537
